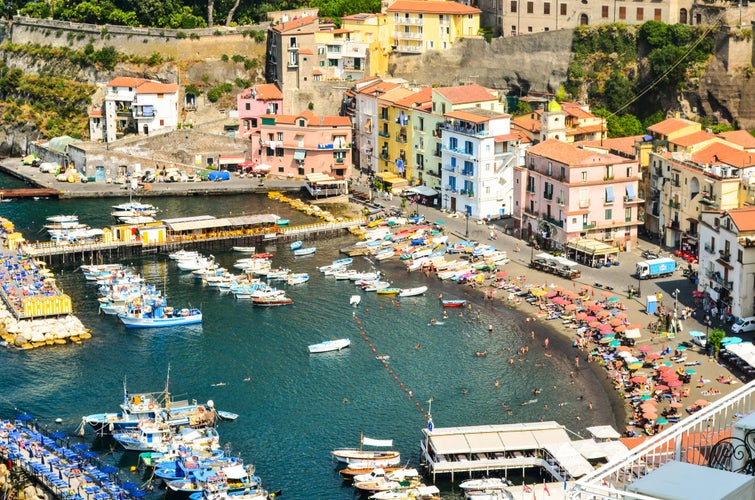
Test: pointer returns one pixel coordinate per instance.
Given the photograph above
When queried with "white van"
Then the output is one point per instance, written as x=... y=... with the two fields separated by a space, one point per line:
x=744 y=325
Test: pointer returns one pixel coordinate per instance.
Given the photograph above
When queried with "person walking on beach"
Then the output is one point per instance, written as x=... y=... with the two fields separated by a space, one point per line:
x=547 y=342
x=576 y=361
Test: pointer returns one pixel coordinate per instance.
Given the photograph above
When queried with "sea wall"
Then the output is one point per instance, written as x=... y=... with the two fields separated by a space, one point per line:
x=179 y=44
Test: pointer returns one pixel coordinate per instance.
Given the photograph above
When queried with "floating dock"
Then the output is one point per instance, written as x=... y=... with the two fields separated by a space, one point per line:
x=486 y=448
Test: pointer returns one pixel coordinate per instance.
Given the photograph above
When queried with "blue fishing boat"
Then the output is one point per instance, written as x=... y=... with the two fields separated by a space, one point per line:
x=283 y=222
x=160 y=317
x=296 y=245
x=305 y=251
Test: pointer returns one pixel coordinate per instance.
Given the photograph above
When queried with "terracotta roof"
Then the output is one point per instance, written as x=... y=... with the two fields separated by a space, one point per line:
x=569 y=154
x=125 y=81
x=157 y=88
x=526 y=123
x=268 y=92
x=507 y=137
x=306 y=52
x=295 y=24
x=359 y=17
x=624 y=145
x=465 y=94
x=394 y=95
x=586 y=129
x=378 y=88
x=693 y=138
x=743 y=218
x=417 y=99
x=95 y=113
x=740 y=138
x=576 y=110
x=335 y=121
x=317 y=72
x=671 y=125
x=430 y=7
x=718 y=153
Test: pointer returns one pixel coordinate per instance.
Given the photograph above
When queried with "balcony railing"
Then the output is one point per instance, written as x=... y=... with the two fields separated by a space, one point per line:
x=449 y=168
x=531 y=212
x=555 y=222
x=724 y=256
x=709 y=248
x=560 y=201
x=589 y=226
x=674 y=204
x=384 y=134
x=401 y=138
x=384 y=156
x=584 y=203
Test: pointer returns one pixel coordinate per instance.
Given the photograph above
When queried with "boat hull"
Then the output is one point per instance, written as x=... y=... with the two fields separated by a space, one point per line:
x=329 y=345
x=367 y=458
x=163 y=322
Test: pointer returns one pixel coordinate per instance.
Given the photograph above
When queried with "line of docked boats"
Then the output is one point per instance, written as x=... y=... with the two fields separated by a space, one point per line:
x=137 y=303
x=66 y=229
x=180 y=442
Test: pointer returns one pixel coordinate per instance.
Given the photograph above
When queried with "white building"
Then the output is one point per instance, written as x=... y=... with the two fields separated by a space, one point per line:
x=479 y=154
x=135 y=105
x=727 y=260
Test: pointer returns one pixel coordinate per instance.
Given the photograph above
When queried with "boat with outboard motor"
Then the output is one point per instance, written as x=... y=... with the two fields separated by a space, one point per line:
x=367 y=458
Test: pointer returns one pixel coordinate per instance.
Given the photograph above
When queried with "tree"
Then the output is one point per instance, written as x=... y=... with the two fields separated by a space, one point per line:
x=714 y=338
x=523 y=108
x=231 y=12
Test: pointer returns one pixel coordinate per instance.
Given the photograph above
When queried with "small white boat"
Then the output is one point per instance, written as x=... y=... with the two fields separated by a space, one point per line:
x=245 y=249
x=411 y=292
x=486 y=483
x=329 y=345
x=355 y=300
x=418 y=493
x=298 y=278
x=305 y=251
x=375 y=286
x=226 y=415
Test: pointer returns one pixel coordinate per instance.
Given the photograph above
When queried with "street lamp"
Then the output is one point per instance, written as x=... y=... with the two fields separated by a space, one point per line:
x=676 y=298
x=466 y=234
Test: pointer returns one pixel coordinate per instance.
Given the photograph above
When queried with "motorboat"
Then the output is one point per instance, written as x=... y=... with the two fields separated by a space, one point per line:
x=486 y=483
x=391 y=481
x=160 y=317
x=195 y=263
x=329 y=345
x=367 y=458
x=375 y=286
x=416 y=493
x=454 y=303
x=411 y=292
x=297 y=278
x=244 y=249
x=355 y=300
x=388 y=291
x=154 y=436
x=183 y=254
x=296 y=245
x=272 y=301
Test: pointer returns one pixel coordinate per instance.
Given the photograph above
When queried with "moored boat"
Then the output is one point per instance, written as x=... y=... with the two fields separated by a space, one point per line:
x=329 y=345
x=305 y=251
x=296 y=245
x=244 y=249
x=272 y=301
x=160 y=317
x=367 y=458
x=354 y=300
x=411 y=292
x=454 y=303
x=387 y=291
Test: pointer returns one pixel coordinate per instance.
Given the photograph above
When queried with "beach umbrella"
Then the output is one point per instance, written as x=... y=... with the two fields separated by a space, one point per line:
x=137 y=494
x=607 y=294
x=661 y=387
x=129 y=486
x=613 y=299
x=681 y=348
x=676 y=404
x=652 y=356
x=440 y=222
x=108 y=469
x=501 y=274
x=550 y=295
x=661 y=421
x=696 y=333
x=80 y=447
x=634 y=325
x=581 y=316
x=25 y=417
x=702 y=402
x=635 y=366
x=639 y=379
x=571 y=307
x=623 y=354
x=603 y=314
x=665 y=367
x=58 y=435
x=620 y=329
x=645 y=348
x=624 y=348
x=88 y=455
x=615 y=321
x=595 y=307
x=689 y=371
x=594 y=324
x=731 y=340
x=614 y=343
x=621 y=316
x=674 y=383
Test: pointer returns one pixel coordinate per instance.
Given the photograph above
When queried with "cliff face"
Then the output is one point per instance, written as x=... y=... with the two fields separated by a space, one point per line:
x=519 y=64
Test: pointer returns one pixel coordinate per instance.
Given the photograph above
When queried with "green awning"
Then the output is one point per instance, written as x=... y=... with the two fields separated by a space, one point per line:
x=300 y=154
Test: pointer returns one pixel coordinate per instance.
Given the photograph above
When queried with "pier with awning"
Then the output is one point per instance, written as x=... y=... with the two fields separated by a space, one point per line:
x=591 y=252
x=485 y=448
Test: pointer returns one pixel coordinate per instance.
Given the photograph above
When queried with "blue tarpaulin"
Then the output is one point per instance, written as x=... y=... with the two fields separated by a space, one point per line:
x=223 y=175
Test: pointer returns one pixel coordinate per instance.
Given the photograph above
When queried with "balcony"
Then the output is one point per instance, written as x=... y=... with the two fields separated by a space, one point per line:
x=339 y=161
x=410 y=21
x=468 y=194
x=584 y=203
x=468 y=172
x=709 y=248
x=592 y=225
x=633 y=201
x=674 y=204
x=674 y=224
x=531 y=212
x=719 y=280
x=724 y=256
x=560 y=201
x=384 y=156
x=401 y=138
x=384 y=134
x=551 y=220
x=449 y=168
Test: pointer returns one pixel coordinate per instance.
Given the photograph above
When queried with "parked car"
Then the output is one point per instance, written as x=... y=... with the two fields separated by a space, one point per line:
x=744 y=325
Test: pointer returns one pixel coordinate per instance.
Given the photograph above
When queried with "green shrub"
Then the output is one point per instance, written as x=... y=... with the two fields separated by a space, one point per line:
x=213 y=95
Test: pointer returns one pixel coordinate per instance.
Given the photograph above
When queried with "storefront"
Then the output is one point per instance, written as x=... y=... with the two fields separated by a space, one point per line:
x=592 y=253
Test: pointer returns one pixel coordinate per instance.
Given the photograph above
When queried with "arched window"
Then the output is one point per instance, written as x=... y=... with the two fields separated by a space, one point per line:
x=682 y=16
x=583 y=20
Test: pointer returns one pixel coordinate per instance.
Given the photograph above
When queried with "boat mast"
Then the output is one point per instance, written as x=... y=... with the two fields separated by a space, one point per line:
x=167 y=389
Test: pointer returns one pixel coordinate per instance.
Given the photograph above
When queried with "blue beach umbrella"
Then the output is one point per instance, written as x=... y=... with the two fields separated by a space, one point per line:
x=681 y=348
x=129 y=486
x=58 y=435
x=25 y=417
x=109 y=469
x=614 y=343
x=696 y=333
x=138 y=494
x=661 y=421
x=731 y=340
x=80 y=447
x=88 y=455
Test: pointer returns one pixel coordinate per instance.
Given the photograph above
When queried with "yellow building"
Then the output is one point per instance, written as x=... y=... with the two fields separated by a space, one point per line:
x=372 y=30
x=417 y=26
x=394 y=137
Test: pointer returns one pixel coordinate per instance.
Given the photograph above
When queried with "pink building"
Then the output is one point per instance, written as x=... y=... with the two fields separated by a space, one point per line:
x=254 y=102
x=564 y=193
x=304 y=144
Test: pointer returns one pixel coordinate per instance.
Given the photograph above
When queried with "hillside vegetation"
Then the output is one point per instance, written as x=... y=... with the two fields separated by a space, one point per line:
x=630 y=74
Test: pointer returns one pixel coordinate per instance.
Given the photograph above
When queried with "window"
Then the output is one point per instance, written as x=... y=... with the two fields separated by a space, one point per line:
x=548 y=191
x=629 y=171
x=584 y=220
x=421 y=123
x=468 y=147
x=604 y=12
x=739 y=256
x=280 y=136
x=657 y=15
x=628 y=214
x=550 y=168
x=513 y=6
x=609 y=171
x=248 y=106
x=622 y=13
x=609 y=194
x=530 y=7
x=609 y=214
x=563 y=173
x=302 y=123
x=547 y=8
x=640 y=13
x=162 y=123
x=453 y=143
x=563 y=9
x=584 y=176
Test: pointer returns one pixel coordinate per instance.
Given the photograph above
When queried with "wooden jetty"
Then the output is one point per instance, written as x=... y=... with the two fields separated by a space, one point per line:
x=6 y=194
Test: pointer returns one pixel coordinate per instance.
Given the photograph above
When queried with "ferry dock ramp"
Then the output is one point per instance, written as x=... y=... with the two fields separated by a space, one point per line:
x=505 y=447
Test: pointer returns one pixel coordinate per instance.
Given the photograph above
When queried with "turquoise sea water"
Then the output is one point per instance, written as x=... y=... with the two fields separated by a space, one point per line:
x=297 y=407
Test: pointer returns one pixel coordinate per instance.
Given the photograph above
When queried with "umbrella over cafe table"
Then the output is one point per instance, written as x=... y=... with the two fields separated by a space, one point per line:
x=25 y=417
x=109 y=469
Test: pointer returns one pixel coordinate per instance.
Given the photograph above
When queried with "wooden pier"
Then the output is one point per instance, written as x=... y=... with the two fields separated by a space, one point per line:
x=7 y=194
x=98 y=253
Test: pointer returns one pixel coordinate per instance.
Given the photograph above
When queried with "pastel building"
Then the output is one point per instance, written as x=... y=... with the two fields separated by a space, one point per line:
x=304 y=144
x=371 y=29
x=565 y=193
x=479 y=154
x=256 y=101
x=285 y=65
x=727 y=260
x=418 y=26
x=566 y=121
x=340 y=55
x=137 y=106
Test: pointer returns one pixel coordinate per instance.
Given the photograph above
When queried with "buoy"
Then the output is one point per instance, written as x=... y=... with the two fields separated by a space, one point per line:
x=417 y=403
x=390 y=372
x=374 y=350
x=401 y=384
x=406 y=389
x=395 y=377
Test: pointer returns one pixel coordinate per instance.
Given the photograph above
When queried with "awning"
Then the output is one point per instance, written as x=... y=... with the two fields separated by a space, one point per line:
x=300 y=154
x=630 y=192
x=231 y=159
x=609 y=194
x=423 y=191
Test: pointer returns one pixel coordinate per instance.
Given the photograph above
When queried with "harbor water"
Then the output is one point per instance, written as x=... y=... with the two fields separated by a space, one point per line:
x=296 y=407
